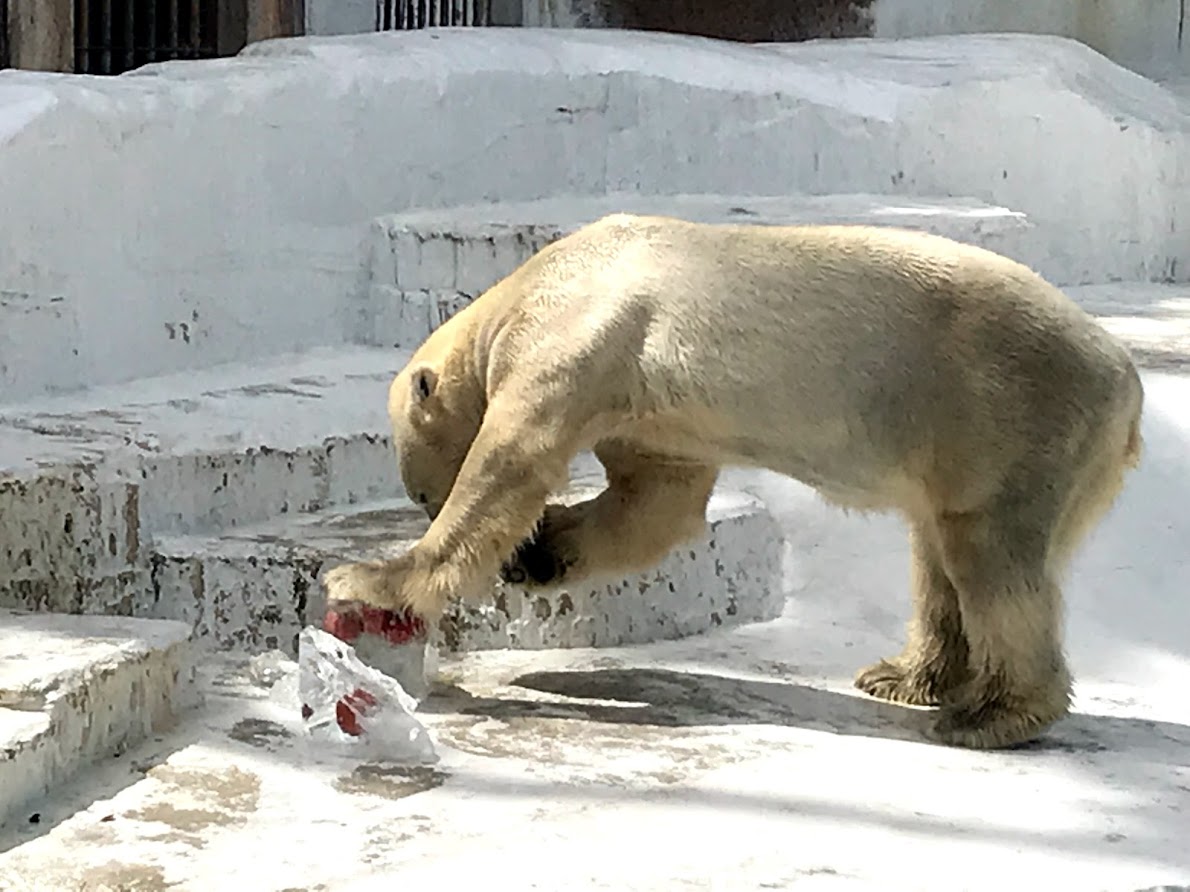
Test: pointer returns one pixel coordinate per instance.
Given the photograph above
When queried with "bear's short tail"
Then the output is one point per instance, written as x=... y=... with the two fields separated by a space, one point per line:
x=1136 y=443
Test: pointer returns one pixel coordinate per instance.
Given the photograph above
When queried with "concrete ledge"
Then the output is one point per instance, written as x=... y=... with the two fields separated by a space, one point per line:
x=1153 y=320
x=426 y=265
x=731 y=575
x=247 y=242
x=87 y=481
x=256 y=588
x=77 y=688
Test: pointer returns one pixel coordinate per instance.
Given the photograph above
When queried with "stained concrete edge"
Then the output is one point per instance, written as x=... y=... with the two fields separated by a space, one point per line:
x=76 y=688
x=254 y=589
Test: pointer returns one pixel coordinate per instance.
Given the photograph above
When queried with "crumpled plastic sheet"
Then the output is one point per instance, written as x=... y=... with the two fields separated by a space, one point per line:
x=343 y=702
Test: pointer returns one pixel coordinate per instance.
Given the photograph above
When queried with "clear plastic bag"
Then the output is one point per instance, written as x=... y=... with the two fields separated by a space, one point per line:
x=345 y=702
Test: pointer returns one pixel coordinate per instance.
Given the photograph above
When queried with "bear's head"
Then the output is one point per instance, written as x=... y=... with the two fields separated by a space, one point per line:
x=434 y=421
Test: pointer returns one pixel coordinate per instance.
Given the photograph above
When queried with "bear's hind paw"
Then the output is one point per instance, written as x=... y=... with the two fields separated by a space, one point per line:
x=991 y=726
x=890 y=680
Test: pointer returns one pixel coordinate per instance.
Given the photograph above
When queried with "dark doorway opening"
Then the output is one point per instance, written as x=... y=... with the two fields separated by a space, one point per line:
x=113 y=36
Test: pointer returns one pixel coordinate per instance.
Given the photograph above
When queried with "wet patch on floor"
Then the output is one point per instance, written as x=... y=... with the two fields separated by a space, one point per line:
x=258 y=732
x=190 y=801
x=125 y=878
x=391 y=781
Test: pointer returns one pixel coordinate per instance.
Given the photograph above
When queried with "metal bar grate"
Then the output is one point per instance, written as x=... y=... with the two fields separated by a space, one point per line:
x=5 y=59
x=408 y=15
x=113 y=36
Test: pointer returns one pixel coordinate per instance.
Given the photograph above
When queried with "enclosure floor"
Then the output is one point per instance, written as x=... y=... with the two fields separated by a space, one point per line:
x=740 y=759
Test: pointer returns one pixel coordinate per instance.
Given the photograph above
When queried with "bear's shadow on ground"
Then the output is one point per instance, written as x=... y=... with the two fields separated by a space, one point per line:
x=666 y=698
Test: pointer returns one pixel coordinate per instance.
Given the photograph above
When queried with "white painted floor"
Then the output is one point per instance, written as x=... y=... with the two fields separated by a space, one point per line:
x=736 y=760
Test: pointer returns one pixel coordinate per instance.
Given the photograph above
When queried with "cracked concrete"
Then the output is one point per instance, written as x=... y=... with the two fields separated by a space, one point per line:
x=740 y=759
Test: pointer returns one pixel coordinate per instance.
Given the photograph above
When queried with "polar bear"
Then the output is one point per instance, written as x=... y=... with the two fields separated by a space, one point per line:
x=889 y=369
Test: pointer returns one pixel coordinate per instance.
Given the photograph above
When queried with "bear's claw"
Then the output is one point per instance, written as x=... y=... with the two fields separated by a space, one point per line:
x=920 y=685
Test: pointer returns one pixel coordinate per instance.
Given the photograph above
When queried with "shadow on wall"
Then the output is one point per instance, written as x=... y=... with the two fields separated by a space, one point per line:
x=744 y=20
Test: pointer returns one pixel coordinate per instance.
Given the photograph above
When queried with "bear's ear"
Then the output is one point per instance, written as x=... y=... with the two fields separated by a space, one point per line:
x=423 y=381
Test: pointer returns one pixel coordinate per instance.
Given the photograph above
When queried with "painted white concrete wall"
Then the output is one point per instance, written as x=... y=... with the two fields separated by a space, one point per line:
x=193 y=213
x=1148 y=36
x=333 y=17
x=562 y=14
x=1151 y=37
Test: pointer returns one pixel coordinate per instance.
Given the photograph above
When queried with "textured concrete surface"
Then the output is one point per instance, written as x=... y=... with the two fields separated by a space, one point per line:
x=427 y=264
x=256 y=587
x=96 y=487
x=739 y=759
x=87 y=481
x=248 y=242
x=74 y=689
x=1153 y=320
x=1148 y=36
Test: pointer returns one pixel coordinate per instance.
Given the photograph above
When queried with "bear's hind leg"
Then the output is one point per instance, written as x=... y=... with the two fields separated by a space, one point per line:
x=1019 y=684
x=651 y=505
x=935 y=657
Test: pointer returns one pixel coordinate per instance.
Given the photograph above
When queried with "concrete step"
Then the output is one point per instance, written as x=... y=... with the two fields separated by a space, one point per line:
x=256 y=587
x=427 y=265
x=88 y=480
x=74 y=689
x=749 y=746
x=96 y=488
x=1152 y=318
x=242 y=261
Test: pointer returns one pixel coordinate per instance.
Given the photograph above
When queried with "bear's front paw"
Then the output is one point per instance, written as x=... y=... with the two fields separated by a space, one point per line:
x=371 y=583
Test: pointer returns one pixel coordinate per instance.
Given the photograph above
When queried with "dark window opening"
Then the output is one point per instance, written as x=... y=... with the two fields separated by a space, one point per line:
x=5 y=58
x=404 y=15
x=113 y=36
